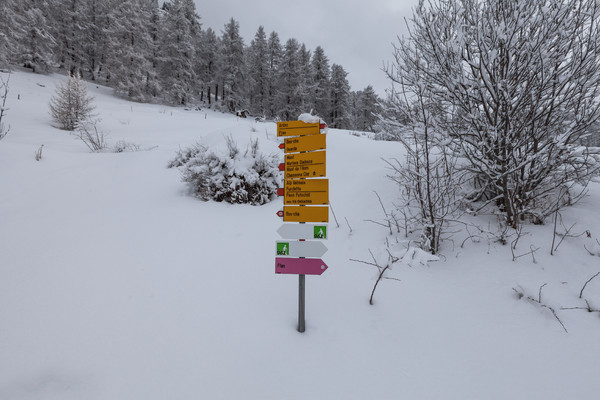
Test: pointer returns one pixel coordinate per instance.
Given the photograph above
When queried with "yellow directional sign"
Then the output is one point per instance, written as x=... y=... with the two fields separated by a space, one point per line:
x=297 y=128
x=304 y=143
x=306 y=191
x=305 y=165
x=305 y=214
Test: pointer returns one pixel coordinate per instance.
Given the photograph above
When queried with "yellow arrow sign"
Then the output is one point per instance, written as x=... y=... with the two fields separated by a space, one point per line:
x=306 y=214
x=297 y=128
x=304 y=143
x=306 y=191
x=305 y=165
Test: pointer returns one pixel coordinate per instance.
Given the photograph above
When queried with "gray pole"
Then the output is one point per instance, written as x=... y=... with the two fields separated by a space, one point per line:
x=301 y=291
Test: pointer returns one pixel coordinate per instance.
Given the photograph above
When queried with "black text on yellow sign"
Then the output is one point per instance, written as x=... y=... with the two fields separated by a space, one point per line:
x=297 y=128
x=304 y=143
x=305 y=165
x=306 y=191
x=305 y=214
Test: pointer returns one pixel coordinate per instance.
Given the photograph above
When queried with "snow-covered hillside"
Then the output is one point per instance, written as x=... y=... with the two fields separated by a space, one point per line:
x=115 y=284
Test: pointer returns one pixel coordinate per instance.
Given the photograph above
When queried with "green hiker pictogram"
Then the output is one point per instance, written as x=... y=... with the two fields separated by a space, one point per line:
x=283 y=249
x=320 y=232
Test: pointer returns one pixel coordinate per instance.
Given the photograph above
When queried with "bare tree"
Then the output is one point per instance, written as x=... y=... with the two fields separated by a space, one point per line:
x=71 y=104
x=517 y=85
x=428 y=177
x=3 y=95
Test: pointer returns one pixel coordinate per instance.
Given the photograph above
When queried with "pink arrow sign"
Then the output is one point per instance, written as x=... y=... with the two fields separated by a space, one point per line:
x=299 y=266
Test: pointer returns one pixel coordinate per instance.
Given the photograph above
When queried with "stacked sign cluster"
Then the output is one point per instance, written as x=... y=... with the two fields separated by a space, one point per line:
x=306 y=198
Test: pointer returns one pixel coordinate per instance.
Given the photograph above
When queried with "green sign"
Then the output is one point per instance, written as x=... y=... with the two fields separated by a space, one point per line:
x=320 y=232
x=283 y=249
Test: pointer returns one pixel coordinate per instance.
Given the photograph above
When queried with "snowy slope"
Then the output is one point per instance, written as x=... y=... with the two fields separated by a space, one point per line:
x=114 y=284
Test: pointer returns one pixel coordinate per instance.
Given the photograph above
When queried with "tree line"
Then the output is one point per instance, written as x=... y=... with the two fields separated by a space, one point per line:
x=151 y=52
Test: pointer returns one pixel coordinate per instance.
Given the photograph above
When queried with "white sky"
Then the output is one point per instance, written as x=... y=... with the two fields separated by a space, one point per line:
x=357 y=34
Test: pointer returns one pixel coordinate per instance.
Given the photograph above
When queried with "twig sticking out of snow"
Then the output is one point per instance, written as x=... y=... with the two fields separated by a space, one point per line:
x=538 y=302
x=589 y=280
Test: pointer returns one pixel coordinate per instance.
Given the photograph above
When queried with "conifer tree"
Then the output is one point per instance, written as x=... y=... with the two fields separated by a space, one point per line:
x=180 y=32
x=273 y=60
x=340 y=97
x=257 y=72
x=320 y=77
x=129 y=54
x=233 y=67
x=209 y=72
x=306 y=85
x=288 y=95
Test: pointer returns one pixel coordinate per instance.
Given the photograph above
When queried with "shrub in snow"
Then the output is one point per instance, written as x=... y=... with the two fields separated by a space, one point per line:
x=235 y=177
x=3 y=94
x=89 y=134
x=71 y=104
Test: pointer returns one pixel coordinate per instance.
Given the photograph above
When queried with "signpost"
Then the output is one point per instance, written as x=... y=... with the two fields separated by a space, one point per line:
x=306 y=191
x=299 y=266
x=300 y=249
x=297 y=128
x=306 y=196
x=303 y=143
x=304 y=165
x=303 y=231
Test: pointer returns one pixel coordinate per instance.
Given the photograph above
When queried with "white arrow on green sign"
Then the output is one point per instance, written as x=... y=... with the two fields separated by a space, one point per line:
x=303 y=231
x=300 y=249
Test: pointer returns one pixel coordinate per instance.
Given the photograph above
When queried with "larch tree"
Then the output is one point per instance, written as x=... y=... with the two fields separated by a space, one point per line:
x=257 y=73
x=233 y=68
x=339 y=95
x=289 y=81
x=321 y=75
x=274 y=54
x=180 y=30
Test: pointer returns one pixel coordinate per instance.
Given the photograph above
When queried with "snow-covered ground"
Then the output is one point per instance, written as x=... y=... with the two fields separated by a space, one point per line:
x=115 y=284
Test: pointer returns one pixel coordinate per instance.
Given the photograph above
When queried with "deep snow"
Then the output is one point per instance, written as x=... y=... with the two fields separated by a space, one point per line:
x=115 y=284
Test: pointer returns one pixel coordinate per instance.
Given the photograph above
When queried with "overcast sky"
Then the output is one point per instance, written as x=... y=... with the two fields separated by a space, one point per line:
x=357 y=34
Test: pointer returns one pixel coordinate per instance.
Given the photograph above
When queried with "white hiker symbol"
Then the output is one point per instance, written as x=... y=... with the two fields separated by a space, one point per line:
x=284 y=250
x=321 y=234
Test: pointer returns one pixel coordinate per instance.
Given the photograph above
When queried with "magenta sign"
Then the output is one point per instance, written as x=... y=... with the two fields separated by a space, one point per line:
x=299 y=266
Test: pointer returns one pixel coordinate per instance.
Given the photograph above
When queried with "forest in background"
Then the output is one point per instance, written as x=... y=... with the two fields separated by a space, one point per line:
x=159 y=52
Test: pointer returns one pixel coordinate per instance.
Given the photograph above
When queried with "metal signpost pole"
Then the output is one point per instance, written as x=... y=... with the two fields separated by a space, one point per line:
x=301 y=305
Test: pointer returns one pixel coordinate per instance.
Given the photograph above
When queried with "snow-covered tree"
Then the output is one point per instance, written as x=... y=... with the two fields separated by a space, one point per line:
x=366 y=110
x=209 y=56
x=274 y=52
x=71 y=105
x=321 y=75
x=180 y=33
x=130 y=51
x=513 y=86
x=306 y=87
x=233 y=71
x=71 y=24
x=257 y=73
x=35 y=41
x=339 y=95
x=289 y=81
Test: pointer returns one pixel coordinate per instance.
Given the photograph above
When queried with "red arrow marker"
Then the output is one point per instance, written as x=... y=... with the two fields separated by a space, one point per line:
x=322 y=126
x=280 y=192
x=299 y=266
x=282 y=167
x=280 y=213
x=282 y=145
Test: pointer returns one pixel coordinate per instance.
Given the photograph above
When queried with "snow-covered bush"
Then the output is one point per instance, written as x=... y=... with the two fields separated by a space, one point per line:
x=235 y=177
x=71 y=105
